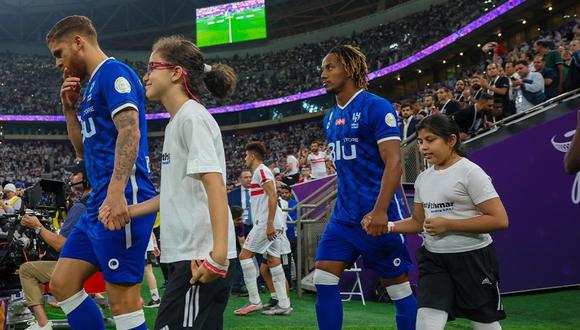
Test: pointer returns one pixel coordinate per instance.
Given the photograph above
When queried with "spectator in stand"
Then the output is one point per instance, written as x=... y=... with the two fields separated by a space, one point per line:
x=473 y=118
x=528 y=90
x=448 y=105
x=292 y=173
x=458 y=94
x=573 y=79
x=408 y=121
x=476 y=90
x=553 y=61
x=317 y=160
x=550 y=77
x=429 y=105
x=11 y=203
x=498 y=86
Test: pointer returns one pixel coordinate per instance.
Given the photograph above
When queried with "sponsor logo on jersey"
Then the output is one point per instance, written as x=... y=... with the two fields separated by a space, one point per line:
x=166 y=158
x=340 y=122
x=88 y=110
x=122 y=85
x=88 y=128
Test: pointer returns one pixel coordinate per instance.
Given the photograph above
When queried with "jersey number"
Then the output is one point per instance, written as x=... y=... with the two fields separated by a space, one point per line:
x=337 y=151
x=90 y=130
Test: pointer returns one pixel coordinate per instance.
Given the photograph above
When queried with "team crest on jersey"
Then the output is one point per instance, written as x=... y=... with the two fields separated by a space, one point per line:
x=355 y=119
x=122 y=85
x=390 y=120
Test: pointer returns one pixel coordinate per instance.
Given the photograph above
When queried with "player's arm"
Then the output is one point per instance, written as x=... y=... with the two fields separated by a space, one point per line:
x=376 y=221
x=270 y=190
x=410 y=225
x=126 y=149
x=572 y=158
x=69 y=95
x=493 y=218
x=217 y=201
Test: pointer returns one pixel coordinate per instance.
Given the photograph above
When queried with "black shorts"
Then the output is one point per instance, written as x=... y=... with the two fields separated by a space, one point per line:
x=290 y=180
x=186 y=306
x=151 y=259
x=465 y=285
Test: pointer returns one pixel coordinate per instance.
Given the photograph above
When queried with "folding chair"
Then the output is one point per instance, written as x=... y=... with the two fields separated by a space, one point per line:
x=357 y=289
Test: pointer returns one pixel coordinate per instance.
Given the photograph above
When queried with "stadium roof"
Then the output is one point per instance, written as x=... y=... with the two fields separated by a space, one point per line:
x=134 y=24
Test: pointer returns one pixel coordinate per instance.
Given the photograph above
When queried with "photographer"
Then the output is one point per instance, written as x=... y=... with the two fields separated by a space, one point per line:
x=34 y=273
x=11 y=203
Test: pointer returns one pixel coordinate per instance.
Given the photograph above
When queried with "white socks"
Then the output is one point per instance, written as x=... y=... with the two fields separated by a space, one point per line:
x=250 y=275
x=431 y=319
x=279 y=281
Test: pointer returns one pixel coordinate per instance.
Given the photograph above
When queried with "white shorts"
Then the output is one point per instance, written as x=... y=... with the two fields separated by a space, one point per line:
x=258 y=242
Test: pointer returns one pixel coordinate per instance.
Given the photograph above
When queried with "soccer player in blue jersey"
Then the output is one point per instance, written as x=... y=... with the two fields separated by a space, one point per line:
x=363 y=139
x=111 y=137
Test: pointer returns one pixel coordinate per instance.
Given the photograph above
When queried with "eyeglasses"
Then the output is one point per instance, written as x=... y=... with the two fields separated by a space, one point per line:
x=159 y=66
x=163 y=66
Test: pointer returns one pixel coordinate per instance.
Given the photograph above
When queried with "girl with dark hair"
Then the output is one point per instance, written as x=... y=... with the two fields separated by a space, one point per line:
x=197 y=230
x=456 y=206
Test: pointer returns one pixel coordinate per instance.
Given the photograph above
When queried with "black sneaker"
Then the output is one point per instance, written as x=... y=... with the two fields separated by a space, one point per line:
x=270 y=304
x=153 y=304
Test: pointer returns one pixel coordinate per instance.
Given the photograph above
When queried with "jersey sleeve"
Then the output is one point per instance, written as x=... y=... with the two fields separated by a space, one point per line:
x=263 y=175
x=202 y=154
x=383 y=121
x=479 y=186
x=119 y=88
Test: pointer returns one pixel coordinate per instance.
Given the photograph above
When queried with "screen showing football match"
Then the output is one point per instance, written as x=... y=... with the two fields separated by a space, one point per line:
x=232 y=22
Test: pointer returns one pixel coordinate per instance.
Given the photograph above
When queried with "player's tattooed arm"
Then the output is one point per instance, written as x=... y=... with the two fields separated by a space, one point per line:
x=127 y=123
x=127 y=147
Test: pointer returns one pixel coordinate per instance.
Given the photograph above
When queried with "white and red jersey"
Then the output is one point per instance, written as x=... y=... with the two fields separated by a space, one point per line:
x=259 y=198
x=318 y=164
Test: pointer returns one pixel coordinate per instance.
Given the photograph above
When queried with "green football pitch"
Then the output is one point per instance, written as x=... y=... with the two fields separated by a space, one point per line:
x=249 y=24
x=555 y=310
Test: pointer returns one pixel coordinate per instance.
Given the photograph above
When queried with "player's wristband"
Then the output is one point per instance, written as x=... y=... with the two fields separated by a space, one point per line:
x=214 y=267
x=390 y=227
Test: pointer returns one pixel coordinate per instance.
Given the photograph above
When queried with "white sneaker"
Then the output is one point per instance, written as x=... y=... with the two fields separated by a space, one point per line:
x=35 y=326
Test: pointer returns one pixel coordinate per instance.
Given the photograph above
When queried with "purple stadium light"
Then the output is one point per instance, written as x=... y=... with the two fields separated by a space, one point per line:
x=490 y=16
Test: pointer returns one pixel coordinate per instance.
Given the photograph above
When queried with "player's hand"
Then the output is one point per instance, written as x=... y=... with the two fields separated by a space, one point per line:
x=270 y=232
x=375 y=223
x=119 y=212
x=70 y=91
x=200 y=274
x=436 y=226
x=30 y=221
x=104 y=214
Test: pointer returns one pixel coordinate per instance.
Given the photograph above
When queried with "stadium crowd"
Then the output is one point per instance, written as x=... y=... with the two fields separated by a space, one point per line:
x=29 y=84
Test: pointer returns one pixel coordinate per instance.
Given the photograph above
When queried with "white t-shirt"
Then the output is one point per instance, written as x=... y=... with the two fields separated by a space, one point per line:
x=318 y=164
x=259 y=198
x=453 y=193
x=293 y=164
x=193 y=145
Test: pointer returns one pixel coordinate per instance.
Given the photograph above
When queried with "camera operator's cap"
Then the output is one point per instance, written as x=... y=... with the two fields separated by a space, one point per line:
x=20 y=185
x=10 y=187
x=76 y=167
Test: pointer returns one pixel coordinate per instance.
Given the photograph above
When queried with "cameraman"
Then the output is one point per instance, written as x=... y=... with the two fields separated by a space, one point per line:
x=34 y=273
x=11 y=203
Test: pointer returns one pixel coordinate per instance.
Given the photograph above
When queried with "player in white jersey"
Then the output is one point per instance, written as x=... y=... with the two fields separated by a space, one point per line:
x=457 y=207
x=266 y=235
x=317 y=160
x=196 y=226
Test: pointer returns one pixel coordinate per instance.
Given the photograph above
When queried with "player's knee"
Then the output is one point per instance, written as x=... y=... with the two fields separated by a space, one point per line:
x=61 y=288
x=322 y=277
x=399 y=291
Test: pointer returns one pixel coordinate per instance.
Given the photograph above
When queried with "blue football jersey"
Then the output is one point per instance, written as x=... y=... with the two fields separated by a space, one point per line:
x=353 y=133
x=112 y=87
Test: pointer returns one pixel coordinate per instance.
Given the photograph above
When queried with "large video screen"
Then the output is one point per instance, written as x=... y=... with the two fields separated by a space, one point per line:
x=232 y=22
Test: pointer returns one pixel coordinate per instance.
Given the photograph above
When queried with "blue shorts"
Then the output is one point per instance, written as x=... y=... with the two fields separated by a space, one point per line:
x=387 y=255
x=118 y=254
